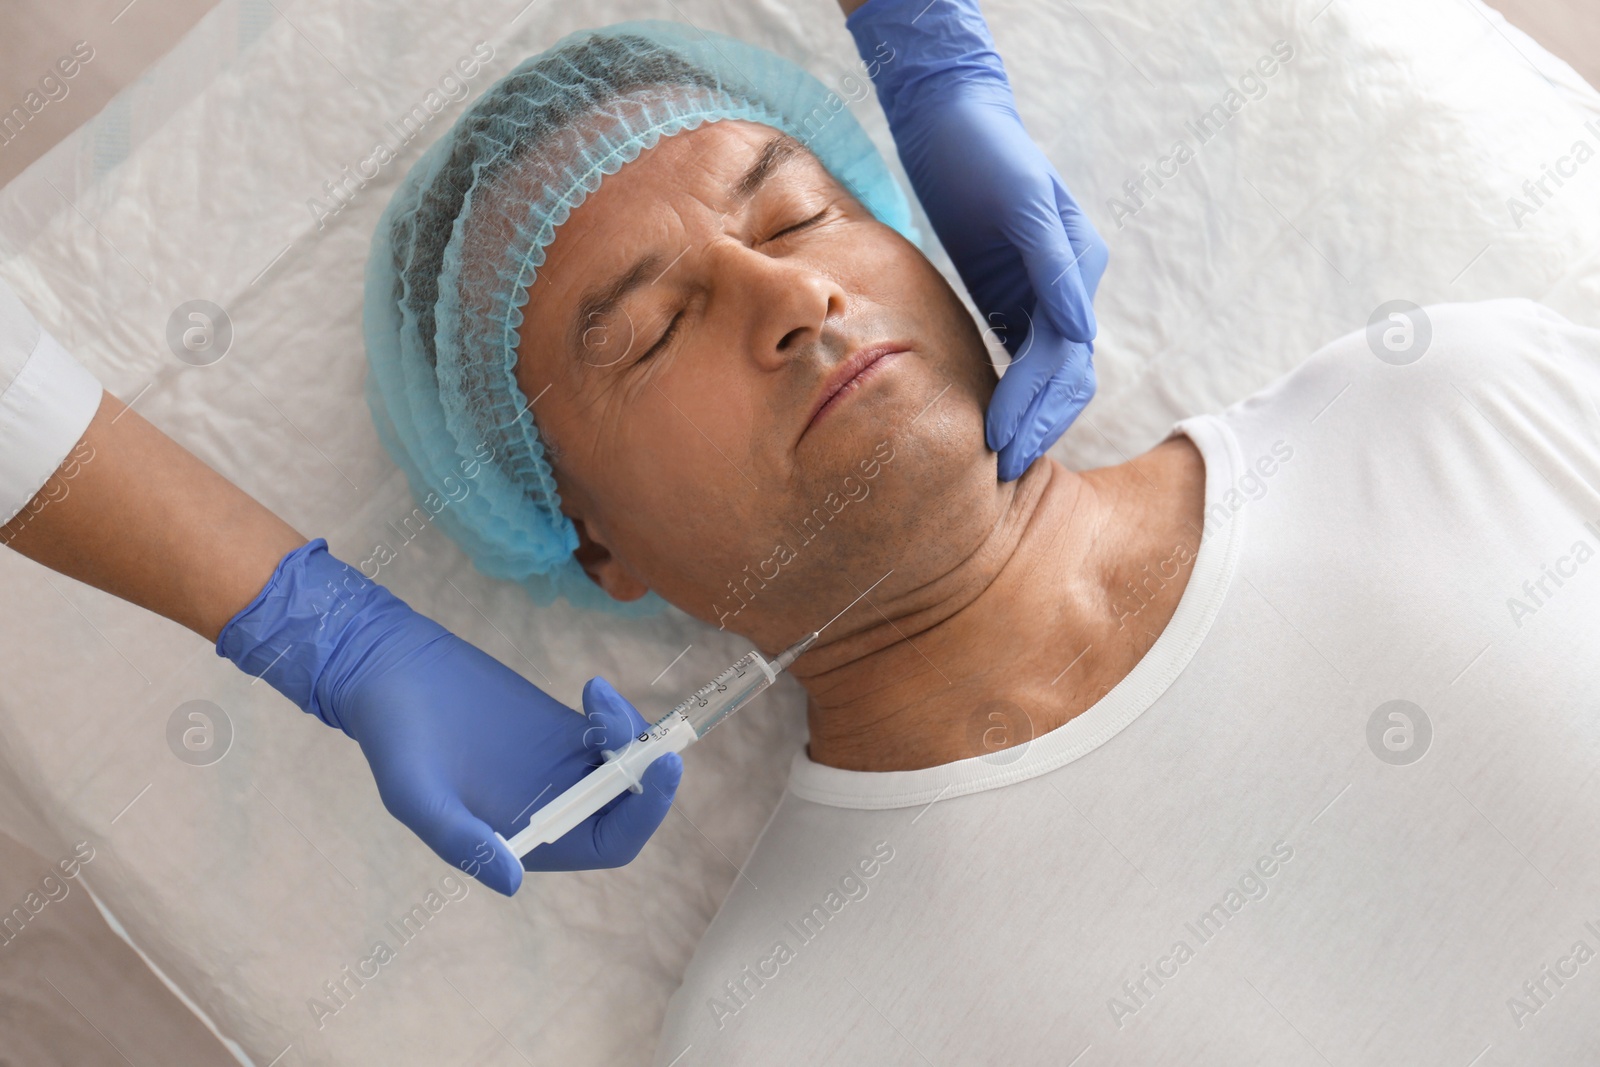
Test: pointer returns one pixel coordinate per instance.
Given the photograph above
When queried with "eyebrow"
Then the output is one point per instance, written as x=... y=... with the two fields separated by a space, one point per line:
x=774 y=154
x=603 y=299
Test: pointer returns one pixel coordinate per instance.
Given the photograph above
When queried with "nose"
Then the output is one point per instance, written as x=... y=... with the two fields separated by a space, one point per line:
x=784 y=303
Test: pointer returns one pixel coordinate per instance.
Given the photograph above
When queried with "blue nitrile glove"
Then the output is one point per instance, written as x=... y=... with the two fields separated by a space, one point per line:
x=460 y=744
x=1029 y=257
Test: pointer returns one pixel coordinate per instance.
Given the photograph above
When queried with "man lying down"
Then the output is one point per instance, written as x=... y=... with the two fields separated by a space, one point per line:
x=1275 y=744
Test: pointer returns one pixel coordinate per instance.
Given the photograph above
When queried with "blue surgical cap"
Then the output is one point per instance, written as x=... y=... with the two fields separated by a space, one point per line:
x=465 y=235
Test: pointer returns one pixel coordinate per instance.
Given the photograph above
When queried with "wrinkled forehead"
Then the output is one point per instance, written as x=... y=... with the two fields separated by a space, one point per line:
x=719 y=166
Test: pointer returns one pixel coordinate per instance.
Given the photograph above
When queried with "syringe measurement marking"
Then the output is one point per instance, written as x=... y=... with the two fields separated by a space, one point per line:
x=718 y=684
x=700 y=699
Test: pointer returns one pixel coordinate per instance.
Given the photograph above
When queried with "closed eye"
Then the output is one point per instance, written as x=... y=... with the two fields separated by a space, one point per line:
x=813 y=220
x=661 y=342
x=672 y=327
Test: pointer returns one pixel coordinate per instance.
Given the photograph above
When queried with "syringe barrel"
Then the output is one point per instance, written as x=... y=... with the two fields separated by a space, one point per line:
x=602 y=785
x=676 y=731
x=727 y=692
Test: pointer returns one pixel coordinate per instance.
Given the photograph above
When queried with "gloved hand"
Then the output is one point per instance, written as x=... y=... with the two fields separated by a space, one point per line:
x=1028 y=256
x=461 y=746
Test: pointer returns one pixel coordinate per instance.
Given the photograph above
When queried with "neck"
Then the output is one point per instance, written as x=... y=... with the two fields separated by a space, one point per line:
x=1075 y=581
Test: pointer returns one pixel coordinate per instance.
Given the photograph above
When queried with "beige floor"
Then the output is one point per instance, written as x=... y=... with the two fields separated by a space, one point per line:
x=1568 y=28
x=125 y=39
x=70 y=991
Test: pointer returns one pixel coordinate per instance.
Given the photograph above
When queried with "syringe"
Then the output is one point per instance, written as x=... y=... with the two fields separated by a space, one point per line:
x=677 y=730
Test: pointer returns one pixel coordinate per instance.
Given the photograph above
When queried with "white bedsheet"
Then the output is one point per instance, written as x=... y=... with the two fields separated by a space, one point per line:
x=1377 y=165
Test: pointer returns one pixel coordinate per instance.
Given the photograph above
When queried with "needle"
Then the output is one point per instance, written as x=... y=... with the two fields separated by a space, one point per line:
x=854 y=602
x=792 y=653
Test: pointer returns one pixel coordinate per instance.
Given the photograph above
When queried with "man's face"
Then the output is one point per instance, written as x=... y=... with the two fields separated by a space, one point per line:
x=680 y=415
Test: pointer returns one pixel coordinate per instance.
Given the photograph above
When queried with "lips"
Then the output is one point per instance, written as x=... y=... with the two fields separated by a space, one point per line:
x=847 y=372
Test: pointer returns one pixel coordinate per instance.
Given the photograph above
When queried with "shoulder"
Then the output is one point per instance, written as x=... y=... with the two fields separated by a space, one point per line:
x=1408 y=354
x=1487 y=338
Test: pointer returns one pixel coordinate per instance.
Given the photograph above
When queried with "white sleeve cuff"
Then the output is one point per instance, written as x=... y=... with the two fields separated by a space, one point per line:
x=43 y=414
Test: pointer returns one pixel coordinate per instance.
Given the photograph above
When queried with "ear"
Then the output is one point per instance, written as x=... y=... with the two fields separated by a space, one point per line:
x=605 y=569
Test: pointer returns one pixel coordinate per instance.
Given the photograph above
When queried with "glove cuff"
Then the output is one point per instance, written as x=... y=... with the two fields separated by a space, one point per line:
x=916 y=51
x=292 y=630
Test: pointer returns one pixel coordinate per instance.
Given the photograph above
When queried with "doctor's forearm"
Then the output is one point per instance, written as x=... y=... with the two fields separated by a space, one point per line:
x=848 y=6
x=134 y=513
